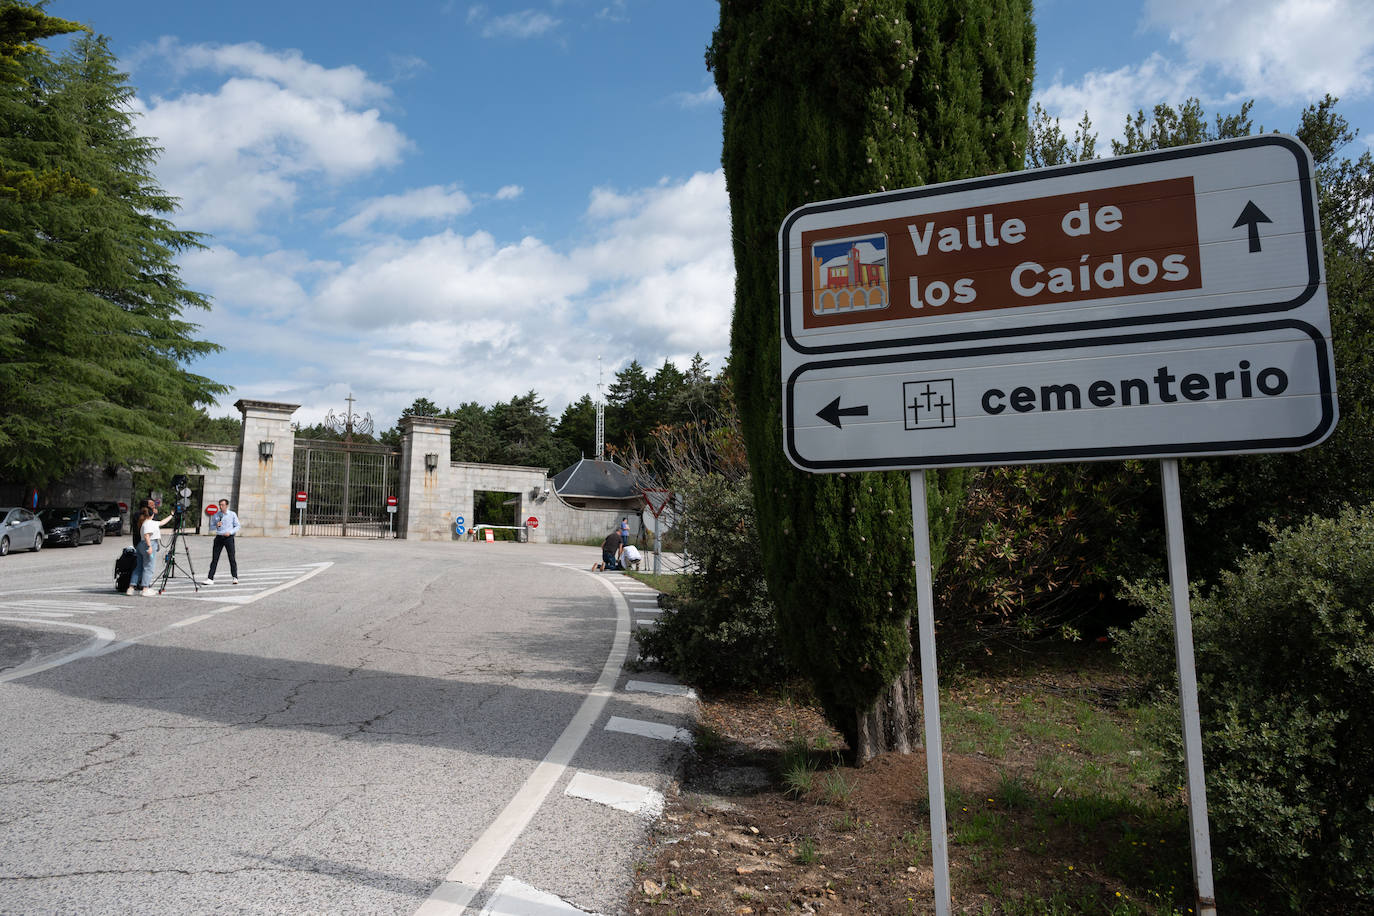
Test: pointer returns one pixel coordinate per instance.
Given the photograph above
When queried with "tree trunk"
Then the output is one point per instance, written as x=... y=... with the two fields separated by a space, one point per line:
x=893 y=722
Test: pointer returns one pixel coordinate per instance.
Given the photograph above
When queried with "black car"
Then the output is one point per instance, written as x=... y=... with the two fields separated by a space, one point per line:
x=71 y=526
x=112 y=514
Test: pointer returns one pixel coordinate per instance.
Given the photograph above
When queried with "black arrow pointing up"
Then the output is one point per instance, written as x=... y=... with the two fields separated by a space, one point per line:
x=1252 y=216
x=832 y=412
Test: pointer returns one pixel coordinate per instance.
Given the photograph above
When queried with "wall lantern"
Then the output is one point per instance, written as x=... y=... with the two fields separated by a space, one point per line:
x=265 y=449
x=431 y=461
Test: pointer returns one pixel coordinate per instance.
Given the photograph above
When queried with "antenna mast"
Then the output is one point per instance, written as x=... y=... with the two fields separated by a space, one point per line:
x=600 y=414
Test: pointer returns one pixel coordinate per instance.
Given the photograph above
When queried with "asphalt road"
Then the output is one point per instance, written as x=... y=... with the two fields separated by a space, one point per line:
x=357 y=727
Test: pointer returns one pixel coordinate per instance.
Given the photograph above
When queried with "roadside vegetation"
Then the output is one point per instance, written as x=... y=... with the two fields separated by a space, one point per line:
x=1062 y=739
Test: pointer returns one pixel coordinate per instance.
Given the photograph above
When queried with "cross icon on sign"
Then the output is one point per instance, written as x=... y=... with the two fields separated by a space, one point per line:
x=928 y=404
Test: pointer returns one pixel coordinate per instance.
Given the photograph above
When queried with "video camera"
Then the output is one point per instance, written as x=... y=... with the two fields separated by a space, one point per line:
x=182 y=490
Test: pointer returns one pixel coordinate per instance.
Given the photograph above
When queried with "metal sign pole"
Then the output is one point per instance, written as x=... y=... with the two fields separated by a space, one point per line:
x=930 y=692
x=1187 y=690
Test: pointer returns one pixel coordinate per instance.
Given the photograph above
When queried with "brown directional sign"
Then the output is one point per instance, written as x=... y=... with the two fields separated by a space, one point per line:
x=1103 y=243
x=1163 y=304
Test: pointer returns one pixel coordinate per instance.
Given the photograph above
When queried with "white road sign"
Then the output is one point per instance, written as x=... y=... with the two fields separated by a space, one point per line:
x=1165 y=304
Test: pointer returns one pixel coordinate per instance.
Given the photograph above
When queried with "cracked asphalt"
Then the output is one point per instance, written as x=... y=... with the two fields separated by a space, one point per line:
x=330 y=736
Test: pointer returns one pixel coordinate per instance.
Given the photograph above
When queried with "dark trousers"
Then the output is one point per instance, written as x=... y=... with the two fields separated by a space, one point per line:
x=225 y=543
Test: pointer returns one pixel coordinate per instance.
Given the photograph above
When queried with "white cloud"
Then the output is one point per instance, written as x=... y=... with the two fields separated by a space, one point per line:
x=615 y=12
x=436 y=202
x=1287 y=51
x=465 y=317
x=235 y=154
x=450 y=277
x=288 y=69
x=1110 y=96
x=509 y=192
x=522 y=24
x=273 y=285
x=1279 y=51
x=710 y=96
x=667 y=225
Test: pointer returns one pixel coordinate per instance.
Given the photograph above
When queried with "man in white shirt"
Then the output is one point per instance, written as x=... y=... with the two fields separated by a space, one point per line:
x=629 y=557
x=225 y=524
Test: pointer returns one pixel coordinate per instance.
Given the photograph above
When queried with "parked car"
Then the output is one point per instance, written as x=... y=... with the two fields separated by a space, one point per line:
x=20 y=529
x=71 y=525
x=112 y=513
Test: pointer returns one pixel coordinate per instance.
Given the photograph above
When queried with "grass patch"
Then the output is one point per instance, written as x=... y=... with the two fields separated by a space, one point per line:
x=807 y=852
x=663 y=582
x=836 y=788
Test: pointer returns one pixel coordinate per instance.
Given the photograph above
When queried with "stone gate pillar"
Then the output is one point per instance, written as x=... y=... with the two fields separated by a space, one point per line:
x=263 y=494
x=428 y=494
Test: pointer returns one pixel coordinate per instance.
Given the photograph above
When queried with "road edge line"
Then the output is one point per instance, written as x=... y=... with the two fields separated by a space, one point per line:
x=474 y=869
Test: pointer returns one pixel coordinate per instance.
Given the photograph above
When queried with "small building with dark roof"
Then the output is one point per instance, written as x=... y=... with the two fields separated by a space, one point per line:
x=593 y=484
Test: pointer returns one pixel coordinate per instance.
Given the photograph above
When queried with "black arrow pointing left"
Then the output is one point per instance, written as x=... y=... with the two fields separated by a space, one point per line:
x=832 y=412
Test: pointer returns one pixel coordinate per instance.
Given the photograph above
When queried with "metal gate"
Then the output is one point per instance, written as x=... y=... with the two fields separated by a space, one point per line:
x=346 y=486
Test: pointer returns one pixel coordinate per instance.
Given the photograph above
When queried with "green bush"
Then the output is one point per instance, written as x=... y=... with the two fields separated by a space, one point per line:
x=1285 y=661
x=1035 y=551
x=718 y=629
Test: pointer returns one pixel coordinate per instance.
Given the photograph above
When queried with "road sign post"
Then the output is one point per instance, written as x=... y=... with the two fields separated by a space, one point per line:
x=390 y=515
x=657 y=499
x=1159 y=305
x=301 y=497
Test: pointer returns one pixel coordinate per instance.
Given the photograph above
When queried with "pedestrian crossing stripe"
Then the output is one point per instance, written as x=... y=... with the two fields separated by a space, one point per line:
x=49 y=607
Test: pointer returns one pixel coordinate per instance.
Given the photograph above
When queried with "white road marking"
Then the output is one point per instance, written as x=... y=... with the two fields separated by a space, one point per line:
x=190 y=620
x=101 y=639
x=105 y=643
x=671 y=690
x=659 y=730
x=474 y=869
x=39 y=605
x=645 y=623
x=515 y=898
x=623 y=796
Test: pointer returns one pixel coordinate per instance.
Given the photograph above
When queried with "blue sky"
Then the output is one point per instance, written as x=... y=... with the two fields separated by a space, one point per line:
x=467 y=201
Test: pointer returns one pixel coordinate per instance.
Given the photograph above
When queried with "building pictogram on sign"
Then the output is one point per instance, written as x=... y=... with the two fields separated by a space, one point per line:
x=849 y=275
x=928 y=404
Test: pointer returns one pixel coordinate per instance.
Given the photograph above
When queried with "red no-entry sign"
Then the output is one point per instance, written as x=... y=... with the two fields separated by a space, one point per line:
x=211 y=509
x=391 y=500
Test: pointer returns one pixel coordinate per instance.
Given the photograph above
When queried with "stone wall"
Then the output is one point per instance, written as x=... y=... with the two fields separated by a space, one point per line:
x=430 y=500
x=221 y=481
x=572 y=525
x=263 y=496
x=93 y=482
x=523 y=482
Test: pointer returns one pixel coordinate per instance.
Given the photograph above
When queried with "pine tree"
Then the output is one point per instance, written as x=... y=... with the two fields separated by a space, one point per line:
x=93 y=346
x=577 y=426
x=630 y=406
x=828 y=99
x=473 y=439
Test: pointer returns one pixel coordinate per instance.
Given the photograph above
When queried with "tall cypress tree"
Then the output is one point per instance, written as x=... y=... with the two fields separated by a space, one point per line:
x=828 y=99
x=95 y=347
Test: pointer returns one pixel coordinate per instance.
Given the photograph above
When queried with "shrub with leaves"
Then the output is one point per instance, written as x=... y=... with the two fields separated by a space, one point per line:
x=719 y=629
x=1035 y=548
x=1285 y=660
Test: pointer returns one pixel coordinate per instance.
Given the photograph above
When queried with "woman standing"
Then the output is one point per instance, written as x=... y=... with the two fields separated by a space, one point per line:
x=147 y=540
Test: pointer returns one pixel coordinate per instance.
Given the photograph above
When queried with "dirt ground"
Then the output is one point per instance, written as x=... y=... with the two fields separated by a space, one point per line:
x=737 y=839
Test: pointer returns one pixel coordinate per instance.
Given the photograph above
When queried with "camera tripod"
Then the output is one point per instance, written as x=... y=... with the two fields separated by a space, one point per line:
x=171 y=562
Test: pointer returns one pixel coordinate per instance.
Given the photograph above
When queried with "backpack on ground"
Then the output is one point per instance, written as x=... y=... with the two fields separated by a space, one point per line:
x=124 y=569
